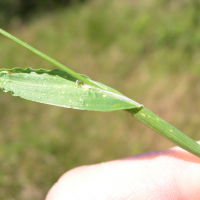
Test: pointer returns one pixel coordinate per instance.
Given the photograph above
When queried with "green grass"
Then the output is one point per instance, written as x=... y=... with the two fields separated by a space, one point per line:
x=147 y=51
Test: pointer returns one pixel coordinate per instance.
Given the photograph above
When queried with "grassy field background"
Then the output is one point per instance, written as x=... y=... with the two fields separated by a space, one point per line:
x=148 y=50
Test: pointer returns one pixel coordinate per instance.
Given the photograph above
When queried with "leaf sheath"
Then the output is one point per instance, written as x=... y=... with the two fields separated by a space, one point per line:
x=160 y=126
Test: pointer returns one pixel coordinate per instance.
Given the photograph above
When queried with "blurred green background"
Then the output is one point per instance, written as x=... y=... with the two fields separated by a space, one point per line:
x=148 y=50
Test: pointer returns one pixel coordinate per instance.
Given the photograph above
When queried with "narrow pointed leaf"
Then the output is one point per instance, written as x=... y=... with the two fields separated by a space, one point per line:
x=58 y=88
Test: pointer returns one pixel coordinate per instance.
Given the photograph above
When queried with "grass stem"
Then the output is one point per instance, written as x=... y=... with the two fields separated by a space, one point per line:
x=54 y=62
x=166 y=130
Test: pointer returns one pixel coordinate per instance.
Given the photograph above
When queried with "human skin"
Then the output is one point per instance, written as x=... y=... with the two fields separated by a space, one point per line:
x=173 y=174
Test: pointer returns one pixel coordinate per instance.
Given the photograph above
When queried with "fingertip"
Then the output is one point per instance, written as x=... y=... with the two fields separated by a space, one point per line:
x=169 y=174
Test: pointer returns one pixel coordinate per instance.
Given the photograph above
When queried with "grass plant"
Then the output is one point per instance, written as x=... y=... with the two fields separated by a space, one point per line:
x=147 y=50
x=79 y=92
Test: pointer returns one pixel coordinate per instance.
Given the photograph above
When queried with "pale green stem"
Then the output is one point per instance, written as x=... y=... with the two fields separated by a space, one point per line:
x=166 y=130
x=59 y=65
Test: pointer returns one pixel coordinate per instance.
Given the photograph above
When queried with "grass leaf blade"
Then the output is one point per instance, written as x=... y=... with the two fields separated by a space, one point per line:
x=56 y=87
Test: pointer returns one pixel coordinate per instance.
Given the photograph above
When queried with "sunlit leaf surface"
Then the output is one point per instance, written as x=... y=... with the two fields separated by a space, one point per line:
x=58 y=88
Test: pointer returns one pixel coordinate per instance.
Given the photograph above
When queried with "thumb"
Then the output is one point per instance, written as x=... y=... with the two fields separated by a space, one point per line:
x=170 y=174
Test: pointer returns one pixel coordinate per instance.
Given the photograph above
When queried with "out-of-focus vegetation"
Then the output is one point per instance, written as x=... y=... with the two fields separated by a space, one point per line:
x=21 y=11
x=148 y=50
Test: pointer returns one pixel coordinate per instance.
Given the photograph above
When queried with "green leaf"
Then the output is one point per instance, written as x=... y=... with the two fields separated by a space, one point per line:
x=58 y=88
